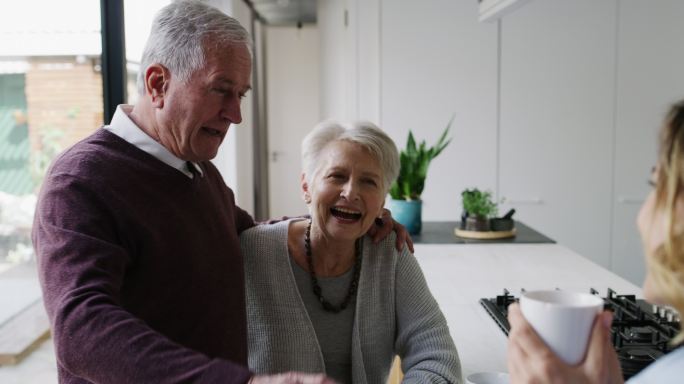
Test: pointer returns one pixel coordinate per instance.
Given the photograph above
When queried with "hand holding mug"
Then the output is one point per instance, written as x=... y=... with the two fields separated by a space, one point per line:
x=530 y=360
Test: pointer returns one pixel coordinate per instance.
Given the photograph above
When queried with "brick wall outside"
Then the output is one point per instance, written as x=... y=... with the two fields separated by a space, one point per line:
x=63 y=95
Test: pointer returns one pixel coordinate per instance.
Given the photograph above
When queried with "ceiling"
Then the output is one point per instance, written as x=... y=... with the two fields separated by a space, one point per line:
x=284 y=12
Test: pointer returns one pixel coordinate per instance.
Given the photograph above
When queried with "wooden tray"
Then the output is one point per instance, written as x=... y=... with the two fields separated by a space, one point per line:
x=484 y=235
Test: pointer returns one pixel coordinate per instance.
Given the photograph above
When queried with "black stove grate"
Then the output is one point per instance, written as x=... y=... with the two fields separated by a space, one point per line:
x=640 y=331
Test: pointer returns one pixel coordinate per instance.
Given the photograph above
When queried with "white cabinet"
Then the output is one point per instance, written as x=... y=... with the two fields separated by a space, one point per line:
x=649 y=78
x=557 y=87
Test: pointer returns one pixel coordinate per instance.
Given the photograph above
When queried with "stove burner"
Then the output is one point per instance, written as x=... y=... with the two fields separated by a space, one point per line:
x=640 y=331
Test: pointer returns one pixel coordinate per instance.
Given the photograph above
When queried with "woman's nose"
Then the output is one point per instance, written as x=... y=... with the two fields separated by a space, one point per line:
x=349 y=191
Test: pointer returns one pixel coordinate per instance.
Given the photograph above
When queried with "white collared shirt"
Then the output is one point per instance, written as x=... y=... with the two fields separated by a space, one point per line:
x=125 y=128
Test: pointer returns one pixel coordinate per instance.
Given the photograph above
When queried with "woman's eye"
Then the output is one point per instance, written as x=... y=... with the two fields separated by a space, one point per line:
x=651 y=183
x=371 y=182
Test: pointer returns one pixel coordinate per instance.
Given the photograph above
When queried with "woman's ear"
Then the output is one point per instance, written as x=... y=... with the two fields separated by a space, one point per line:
x=156 y=83
x=305 y=189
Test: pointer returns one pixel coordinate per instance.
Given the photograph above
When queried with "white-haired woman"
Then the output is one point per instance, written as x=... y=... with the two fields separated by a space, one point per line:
x=661 y=224
x=323 y=297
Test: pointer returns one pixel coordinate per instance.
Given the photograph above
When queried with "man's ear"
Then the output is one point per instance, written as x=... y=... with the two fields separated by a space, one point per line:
x=157 y=79
x=305 y=189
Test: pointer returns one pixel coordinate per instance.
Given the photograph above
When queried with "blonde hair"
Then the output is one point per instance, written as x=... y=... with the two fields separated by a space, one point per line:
x=667 y=265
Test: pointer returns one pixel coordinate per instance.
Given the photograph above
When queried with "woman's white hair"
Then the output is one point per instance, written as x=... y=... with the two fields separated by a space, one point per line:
x=365 y=134
x=180 y=34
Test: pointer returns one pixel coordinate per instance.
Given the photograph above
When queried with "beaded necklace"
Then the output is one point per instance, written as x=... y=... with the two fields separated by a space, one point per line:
x=327 y=306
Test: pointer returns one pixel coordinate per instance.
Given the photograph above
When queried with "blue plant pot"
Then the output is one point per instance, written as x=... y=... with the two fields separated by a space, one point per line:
x=408 y=213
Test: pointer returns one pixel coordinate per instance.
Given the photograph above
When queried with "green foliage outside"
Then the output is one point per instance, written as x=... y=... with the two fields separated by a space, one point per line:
x=415 y=160
x=50 y=138
x=479 y=203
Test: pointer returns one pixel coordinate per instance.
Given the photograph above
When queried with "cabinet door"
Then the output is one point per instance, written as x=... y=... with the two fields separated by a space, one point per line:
x=557 y=98
x=437 y=61
x=649 y=79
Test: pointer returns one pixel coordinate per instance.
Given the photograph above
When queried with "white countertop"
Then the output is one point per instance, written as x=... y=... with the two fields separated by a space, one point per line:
x=458 y=276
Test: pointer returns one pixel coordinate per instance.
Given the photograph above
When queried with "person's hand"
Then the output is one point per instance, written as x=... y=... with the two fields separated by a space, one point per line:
x=531 y=361
x=291 y=378
x=386 y=224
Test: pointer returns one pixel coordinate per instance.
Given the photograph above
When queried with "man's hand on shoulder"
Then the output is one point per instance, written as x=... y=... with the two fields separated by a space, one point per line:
x=385 y=225
x=292 y=378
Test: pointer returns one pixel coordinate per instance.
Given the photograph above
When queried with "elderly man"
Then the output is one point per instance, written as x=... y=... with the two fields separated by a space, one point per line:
x=137 y=234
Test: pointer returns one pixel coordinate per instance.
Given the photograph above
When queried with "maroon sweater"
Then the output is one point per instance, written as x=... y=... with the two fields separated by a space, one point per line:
x=140 y=268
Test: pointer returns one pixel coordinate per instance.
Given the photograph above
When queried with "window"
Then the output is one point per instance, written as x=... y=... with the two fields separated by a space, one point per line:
x=138 y=16
x=50 y=97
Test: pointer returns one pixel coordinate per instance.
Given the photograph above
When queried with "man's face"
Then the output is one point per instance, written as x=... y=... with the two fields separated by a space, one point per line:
x=196 y=114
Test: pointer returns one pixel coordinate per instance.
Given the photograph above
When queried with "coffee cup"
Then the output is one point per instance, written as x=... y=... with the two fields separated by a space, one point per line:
x=563 y=319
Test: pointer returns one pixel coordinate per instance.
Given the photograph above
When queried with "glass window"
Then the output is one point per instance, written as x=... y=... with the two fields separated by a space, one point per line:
x=50 y=97
x=138 y=16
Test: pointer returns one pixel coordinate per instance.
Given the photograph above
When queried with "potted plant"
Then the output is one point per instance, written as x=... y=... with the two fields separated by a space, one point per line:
x=406 y=205
x=478 y=207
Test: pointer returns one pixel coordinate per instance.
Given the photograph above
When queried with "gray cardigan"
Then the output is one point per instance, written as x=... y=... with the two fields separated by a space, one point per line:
x=395 y=315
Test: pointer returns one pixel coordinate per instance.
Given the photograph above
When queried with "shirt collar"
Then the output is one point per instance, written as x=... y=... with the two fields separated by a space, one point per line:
x=125 y=128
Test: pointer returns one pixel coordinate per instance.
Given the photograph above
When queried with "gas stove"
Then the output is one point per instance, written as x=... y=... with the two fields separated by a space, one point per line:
x=640 y=331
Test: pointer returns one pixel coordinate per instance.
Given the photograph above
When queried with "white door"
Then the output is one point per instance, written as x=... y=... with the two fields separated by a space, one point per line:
x=292 y=81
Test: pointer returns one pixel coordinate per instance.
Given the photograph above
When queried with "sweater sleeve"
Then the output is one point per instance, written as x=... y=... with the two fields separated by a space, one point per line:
x=81 y=267
x=427 y=351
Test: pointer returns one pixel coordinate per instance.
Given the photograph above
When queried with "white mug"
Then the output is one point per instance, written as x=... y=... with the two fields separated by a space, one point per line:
x=562 y=319
x=488 y=378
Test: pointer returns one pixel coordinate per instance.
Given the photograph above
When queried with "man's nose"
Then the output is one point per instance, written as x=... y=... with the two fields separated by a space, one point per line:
x=231 y=110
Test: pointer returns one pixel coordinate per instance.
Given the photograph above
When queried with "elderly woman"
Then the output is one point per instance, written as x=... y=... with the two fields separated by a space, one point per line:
x=322 y=296
x=661 y=224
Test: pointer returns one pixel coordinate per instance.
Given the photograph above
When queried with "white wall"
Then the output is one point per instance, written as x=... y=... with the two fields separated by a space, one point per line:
x=235 y=157
x=556 y=106
x=292 y=77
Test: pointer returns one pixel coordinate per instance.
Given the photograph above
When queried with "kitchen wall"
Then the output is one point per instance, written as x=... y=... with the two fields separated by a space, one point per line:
x=556 y=106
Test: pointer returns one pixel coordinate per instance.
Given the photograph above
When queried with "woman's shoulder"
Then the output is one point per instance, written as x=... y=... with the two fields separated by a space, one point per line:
x=667 y=369
x=385 y=251
x=264 y=234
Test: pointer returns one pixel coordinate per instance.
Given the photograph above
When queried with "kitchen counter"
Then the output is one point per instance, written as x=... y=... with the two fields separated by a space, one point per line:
x=459 y=275
x=442 y=232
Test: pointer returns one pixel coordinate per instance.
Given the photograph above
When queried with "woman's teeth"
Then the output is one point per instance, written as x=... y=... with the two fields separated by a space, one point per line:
x=345 y=213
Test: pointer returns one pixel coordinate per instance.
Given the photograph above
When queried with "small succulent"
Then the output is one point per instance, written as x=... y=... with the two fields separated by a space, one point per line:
x=479 y=203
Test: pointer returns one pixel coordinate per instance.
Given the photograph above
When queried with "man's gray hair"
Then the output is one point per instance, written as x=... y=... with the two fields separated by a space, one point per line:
x=180 y=34
x=365 y=134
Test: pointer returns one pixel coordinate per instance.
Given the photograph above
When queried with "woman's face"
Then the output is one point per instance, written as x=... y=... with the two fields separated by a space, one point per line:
x=346 y=193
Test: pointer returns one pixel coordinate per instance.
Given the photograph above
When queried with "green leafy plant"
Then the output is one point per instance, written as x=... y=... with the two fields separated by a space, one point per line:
x=415 y=160
x=479 y=203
